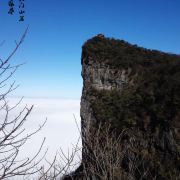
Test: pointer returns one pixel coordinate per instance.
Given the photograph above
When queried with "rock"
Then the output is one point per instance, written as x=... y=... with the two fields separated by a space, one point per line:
x=137 y=91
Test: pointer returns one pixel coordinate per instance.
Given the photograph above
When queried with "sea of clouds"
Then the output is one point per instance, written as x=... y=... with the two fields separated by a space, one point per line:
x=60 y=130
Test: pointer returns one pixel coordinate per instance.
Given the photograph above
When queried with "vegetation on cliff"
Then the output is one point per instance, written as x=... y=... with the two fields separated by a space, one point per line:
x=155 y=91
x=119 y=53
x=149 y=104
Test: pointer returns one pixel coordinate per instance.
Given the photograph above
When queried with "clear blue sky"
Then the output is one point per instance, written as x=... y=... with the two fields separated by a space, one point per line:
x=58 y=28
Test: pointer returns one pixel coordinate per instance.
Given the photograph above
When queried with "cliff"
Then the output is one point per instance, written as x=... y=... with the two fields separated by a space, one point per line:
x=136 y=92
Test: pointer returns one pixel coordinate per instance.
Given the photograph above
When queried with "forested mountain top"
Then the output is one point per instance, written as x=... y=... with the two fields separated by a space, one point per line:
x=119 y=53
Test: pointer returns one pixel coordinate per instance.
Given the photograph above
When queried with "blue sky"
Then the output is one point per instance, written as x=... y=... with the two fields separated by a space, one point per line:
x=58 y=28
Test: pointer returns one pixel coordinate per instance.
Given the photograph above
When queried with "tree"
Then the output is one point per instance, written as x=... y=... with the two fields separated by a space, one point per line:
x=12 y=133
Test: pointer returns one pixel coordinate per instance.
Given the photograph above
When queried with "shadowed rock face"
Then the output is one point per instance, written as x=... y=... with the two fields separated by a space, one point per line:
x=139 y=90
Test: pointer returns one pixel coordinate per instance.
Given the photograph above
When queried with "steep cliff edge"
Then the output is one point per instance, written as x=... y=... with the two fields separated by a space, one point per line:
x=136 y=89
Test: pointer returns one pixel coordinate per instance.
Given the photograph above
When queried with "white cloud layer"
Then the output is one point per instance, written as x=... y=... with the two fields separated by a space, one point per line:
x=60 y=130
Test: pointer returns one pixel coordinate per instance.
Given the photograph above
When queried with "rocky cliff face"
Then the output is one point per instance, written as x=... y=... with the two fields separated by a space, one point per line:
x=136 y=91
x=98 y=77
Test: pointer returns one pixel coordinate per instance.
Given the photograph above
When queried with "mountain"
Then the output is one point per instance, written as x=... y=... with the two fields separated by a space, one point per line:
x=130 y=111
